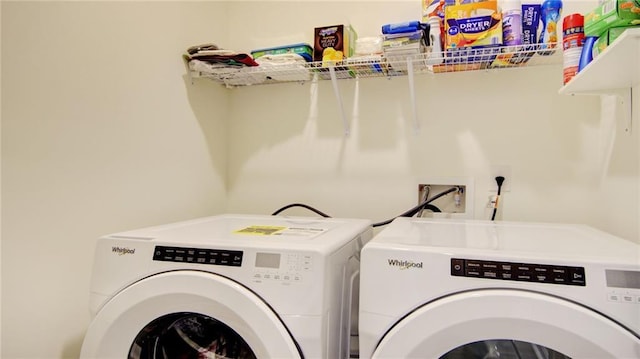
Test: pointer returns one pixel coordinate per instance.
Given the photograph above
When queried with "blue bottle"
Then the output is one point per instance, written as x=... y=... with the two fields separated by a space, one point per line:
x=550 y=12
x=587 y=52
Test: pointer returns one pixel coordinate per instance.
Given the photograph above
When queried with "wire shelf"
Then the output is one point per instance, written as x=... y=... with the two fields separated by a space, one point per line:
x=391 y=63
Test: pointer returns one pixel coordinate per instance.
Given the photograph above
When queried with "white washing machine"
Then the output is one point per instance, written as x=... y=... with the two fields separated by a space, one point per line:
x=228 y=286
x=480 y=289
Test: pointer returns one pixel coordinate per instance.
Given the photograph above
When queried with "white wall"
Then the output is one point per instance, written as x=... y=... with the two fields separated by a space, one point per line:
x=289 y=144
x=100 y=133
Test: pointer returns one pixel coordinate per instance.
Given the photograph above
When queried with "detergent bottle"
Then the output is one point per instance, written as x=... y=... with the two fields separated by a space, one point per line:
x=435 y=55
x=550 y=12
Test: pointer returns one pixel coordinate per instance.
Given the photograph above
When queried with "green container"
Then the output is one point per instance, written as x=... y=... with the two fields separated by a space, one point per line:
x=612 y=13
x=607 y=38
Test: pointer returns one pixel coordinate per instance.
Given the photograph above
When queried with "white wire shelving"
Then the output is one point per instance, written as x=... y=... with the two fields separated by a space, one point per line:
x=463 y=60
x=385 y=65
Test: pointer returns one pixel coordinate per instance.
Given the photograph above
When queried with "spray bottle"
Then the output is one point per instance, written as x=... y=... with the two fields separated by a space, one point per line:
x=550 y=13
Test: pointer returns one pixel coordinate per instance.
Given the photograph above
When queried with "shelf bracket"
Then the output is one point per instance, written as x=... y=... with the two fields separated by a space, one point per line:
x=627 y=106
x=336 y=92
x=412 y=94
x=624 y=101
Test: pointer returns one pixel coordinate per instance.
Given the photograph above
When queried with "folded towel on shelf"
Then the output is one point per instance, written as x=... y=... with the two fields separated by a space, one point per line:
x=230 y=75
x=226 y=57
x=227 y=66
x=284 y=67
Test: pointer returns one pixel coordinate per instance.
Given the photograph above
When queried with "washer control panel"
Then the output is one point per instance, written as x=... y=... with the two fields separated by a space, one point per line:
x=523 y=272
x=285 y=268
x=198 y=256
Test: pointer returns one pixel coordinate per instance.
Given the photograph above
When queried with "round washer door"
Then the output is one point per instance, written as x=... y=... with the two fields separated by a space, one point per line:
x=439 y=327
x=188 y=301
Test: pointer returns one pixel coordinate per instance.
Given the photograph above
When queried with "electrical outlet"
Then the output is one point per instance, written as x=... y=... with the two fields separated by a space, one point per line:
x=457 y=204
x=500 y=170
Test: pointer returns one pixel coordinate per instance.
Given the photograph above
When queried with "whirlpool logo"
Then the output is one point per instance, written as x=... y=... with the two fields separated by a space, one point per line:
x=404 y=264
x=122 y=250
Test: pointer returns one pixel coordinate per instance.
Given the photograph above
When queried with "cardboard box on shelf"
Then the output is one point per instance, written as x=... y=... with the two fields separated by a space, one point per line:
x=607 y=38
x=473 y=25
x=333 y=43
x=611 y=13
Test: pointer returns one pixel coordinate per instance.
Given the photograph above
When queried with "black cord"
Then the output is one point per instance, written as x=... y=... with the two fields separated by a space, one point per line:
x=300 y=205
x=416 y=209
x=499 y=181
x=410 y=213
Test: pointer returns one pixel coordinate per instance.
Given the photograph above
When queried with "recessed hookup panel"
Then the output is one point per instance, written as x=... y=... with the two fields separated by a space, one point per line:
x=447 y=198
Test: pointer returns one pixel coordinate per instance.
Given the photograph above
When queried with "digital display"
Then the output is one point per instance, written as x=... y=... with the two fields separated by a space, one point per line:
x=268 y=260
x=623 y=279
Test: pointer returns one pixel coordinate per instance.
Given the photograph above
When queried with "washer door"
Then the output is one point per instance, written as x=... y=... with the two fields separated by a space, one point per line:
x=460 y=325
x=187 y=314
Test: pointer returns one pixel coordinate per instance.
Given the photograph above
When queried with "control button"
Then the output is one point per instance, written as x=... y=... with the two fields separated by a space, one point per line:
x=576 y=276
x=560 y=275
x=613 y=297
x=506 y=275
x=473 y=265
x=541 y=270
x=559 y=279
x=457 y=267
x=490 y=266
x=627 y=298
x=541 y=278
x=507 y=267
x=286 y=277
x=179 y=259
x=489 y=274
x=473 y=273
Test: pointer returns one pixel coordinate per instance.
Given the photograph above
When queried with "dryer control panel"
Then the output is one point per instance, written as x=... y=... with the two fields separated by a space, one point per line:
x=198 y=255
x=524 y=272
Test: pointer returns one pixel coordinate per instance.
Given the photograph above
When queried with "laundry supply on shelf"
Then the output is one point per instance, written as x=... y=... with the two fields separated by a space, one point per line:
x=612 y=13
x=607 y=38
x=333 y=43
x=398 y=47
x=572 y=44
x=301 y=49
x=550 y=13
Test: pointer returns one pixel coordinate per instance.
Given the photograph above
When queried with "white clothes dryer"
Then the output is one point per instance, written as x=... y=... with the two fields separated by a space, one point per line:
x=480 y=289
x=228 y=286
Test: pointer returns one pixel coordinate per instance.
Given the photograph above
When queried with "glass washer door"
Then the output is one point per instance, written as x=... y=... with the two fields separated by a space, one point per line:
x=485 y=317
x=186 y=304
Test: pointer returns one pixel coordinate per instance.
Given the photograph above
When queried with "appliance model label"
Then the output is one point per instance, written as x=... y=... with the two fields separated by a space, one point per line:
x=404 y=264
x=123 y=250
x=263 y=230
